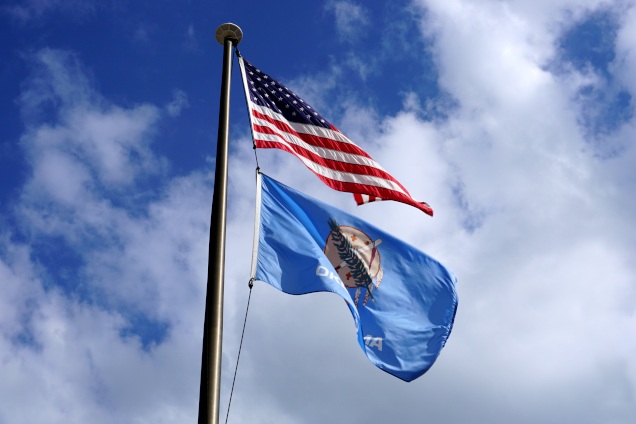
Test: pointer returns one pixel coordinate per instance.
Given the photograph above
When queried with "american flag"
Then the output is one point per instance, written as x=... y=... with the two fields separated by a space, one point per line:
x=282 y=120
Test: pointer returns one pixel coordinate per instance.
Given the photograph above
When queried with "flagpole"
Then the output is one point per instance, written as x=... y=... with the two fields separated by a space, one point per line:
x=210 y=389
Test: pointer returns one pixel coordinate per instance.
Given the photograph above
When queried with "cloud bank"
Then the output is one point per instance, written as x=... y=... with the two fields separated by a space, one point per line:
x=104 y=251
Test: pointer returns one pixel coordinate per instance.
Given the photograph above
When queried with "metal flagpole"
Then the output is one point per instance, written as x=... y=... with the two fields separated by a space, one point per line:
x=209 y=393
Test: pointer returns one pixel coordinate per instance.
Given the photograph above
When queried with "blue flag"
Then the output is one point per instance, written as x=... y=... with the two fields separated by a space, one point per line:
x=403 y=301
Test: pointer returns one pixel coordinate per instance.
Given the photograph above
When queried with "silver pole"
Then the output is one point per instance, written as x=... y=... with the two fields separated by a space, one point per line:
x=210 y=389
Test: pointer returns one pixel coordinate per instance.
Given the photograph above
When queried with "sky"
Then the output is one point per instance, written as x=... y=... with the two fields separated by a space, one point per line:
x=513 y=119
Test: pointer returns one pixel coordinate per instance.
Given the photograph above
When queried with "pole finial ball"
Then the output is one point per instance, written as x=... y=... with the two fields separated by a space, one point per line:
x=229 y=30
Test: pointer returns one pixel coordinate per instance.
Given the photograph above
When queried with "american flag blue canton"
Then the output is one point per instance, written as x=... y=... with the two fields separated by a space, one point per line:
x=265 y=91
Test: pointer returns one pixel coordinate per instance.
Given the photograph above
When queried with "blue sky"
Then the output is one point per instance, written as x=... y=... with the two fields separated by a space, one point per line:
x=513 y=119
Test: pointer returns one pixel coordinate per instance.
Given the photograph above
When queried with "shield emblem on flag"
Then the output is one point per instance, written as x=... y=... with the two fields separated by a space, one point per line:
x=356 y=258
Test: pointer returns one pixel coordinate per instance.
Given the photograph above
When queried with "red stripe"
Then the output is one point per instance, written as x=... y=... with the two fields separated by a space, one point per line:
x=383 y=193
x=361 y=201
x=328 y=163
x=324 y=143
x=374 y=191
x=351 y=168
x=314 y=140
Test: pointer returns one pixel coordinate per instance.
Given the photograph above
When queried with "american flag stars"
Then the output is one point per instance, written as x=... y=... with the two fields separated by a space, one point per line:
x=276 y=96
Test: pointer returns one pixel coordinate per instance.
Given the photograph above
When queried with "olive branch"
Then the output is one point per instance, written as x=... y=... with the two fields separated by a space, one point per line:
x=348 y=254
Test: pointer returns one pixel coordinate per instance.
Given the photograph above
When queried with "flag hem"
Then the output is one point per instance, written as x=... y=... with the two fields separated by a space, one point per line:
x=257 y=225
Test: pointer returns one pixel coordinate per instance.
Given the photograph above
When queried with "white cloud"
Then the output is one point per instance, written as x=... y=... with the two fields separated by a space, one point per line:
x=178 y=103
x=191 y=42
x=533 y=222
x=28 y=10
x=103 y=143
x=72 y=347
x=351 y=18
x=625 y=59
x=537 y=227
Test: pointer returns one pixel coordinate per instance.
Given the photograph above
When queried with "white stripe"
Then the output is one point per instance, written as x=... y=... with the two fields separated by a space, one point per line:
x=289 y=138
x=366 y=198
x=348 y=177
x=327 y=133
x=304 y=128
